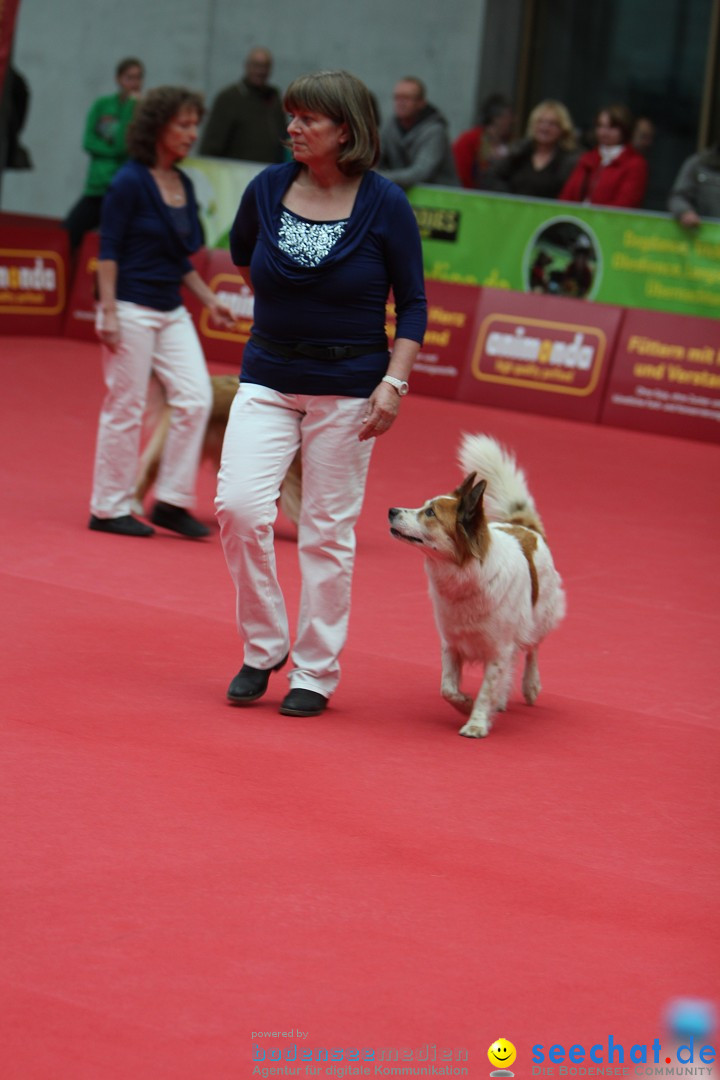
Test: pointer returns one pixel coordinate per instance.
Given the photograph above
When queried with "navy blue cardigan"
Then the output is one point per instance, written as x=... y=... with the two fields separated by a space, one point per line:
x=339 y=302
x=139 y=232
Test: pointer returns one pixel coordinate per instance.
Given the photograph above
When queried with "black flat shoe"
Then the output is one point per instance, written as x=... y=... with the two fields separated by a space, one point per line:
x=301 y=702
x=250 y=683
x=179 y=520
x=126 y=525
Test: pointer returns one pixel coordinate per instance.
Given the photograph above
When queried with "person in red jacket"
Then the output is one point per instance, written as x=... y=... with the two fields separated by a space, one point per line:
x=477 y=148
x=614 y=173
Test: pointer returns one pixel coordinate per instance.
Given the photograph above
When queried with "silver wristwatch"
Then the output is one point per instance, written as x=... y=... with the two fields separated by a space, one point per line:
x=400 y=385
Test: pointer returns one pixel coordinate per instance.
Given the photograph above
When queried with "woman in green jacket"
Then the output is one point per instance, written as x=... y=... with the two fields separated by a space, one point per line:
x=104 y=141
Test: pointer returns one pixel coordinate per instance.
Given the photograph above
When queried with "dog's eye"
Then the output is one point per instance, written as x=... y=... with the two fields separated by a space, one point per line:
x=429 y=512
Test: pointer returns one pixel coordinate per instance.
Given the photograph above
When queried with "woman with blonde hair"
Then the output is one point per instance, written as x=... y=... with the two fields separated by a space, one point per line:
x=539 y=165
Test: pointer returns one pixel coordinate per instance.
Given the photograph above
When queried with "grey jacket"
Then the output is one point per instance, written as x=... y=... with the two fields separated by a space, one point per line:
x=697 y=186
x=421 y=154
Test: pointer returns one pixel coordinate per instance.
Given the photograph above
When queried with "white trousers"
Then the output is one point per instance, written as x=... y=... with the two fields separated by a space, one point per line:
x=164 y=342
x=263 y=434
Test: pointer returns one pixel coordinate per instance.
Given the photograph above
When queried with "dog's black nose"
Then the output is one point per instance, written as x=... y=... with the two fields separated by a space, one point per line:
x=393 y=513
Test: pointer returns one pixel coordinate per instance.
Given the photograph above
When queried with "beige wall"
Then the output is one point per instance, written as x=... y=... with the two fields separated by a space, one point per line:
x=67 y=50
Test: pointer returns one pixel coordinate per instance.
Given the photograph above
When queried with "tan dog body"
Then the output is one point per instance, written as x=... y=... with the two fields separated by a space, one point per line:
x=224 y=389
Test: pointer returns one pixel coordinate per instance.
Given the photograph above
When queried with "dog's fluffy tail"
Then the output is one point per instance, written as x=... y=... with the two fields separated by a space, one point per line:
x=507 y=496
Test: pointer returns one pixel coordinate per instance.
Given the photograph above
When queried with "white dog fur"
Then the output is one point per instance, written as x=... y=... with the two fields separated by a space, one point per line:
x=493 y=584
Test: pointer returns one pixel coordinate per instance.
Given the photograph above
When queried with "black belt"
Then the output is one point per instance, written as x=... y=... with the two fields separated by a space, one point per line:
x=318 y=352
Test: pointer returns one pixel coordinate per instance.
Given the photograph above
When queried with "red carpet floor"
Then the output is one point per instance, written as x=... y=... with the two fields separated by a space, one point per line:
x=178 y=874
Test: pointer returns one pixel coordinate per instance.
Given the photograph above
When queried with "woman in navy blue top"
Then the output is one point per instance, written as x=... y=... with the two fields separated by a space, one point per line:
x=326 y=240
x=149 y=229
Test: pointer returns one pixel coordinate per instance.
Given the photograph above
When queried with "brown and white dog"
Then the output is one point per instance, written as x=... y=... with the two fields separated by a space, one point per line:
x=493 y=584
x=157 y=419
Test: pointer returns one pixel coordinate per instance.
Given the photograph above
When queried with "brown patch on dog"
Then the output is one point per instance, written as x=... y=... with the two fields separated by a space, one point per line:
x=527 y=540
x=472 y=531
x=521 y=514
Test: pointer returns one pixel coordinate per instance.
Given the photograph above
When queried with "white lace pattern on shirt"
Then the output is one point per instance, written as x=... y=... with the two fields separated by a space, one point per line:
x=308 y=242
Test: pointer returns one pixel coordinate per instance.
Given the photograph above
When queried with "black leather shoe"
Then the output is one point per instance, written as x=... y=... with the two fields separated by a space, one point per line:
x=177 y=519
x=126 y=525
x=301 y=702
x=250 y=683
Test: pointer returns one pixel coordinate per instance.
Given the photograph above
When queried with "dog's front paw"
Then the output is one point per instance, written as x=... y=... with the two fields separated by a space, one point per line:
x=531 y=687
x=475 y=729
x=458 y=700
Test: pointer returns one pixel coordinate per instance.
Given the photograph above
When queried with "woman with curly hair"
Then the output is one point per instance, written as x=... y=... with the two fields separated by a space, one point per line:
x=150 y=227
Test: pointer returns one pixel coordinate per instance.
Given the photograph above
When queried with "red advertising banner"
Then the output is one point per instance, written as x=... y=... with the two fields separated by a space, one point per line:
x=80 y=315
x=33 y=279
x=666 y=376
x=446 y=349
x=541 y=354
x=223 y=346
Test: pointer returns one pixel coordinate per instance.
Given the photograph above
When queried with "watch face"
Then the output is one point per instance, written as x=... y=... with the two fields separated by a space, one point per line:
x=403 y=389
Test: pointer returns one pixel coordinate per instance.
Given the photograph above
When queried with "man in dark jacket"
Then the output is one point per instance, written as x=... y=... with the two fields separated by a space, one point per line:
x=247 y=121
x=414 y=144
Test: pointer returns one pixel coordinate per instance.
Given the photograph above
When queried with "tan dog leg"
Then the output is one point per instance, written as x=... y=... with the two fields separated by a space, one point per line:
x=224 y=388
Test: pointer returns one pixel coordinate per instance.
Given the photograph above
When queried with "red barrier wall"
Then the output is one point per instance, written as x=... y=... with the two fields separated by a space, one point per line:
x=223 y=346
x=33 y=275
x=452 y=311
x=80 y=314
x=540 y=354
x=569 y=358
x=666 y=376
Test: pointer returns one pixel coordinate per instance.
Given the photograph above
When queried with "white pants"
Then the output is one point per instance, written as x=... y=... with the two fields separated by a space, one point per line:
x=263 y=434
x=164 y=342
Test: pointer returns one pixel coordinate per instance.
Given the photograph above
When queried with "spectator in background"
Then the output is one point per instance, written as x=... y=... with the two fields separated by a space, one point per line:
x=414 y=143
x=13 y=112
x=480 y=147
x=539 y=165
x=613 y=173
x=104 y=141
x=643 y=135
x=247 y=121
x=696 y=191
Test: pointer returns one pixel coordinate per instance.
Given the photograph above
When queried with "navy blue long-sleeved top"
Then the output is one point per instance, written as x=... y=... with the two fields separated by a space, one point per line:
x=341 y=301
x=149 y=241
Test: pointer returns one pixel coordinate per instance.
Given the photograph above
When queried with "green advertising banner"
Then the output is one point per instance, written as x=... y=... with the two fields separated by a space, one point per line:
x=637 y=260
x=218 y=187
x=634 y=259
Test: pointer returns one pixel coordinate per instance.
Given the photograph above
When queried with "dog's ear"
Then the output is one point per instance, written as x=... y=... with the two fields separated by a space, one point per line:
x=465 y=487
x=470 y=516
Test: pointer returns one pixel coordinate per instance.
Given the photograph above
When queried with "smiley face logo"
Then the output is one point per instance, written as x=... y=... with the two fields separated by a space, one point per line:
x=502 y=1053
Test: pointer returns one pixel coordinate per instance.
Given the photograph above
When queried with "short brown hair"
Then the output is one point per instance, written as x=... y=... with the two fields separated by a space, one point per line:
x=126 y=64
x=153 y=112
x=620 y=117
x=345 y=99
x=418 y=84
